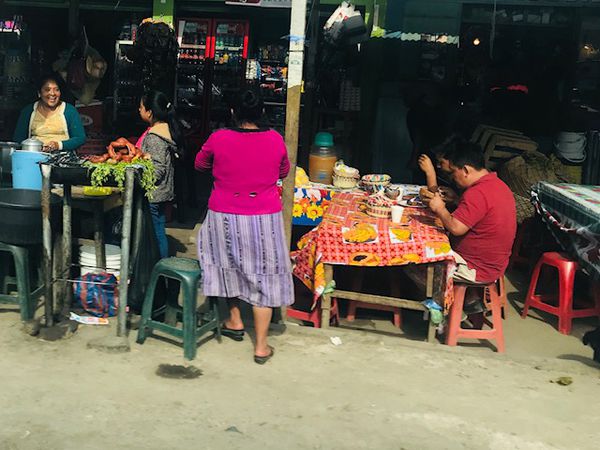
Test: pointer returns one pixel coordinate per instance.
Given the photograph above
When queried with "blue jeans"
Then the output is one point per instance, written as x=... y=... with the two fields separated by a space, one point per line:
x=157 y=210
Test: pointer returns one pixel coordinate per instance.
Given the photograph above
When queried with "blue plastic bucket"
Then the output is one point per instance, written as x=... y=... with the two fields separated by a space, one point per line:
x=26 y=173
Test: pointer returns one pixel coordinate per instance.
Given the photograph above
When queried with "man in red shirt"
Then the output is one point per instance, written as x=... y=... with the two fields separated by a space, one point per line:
x=483 y=225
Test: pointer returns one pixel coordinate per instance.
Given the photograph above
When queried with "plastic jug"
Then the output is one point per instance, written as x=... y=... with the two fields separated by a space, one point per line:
x=321 y=159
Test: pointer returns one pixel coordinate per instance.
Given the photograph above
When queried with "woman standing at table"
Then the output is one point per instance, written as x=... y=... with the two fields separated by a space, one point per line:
x=241 y=245
x=160 y=140
x=56 y=123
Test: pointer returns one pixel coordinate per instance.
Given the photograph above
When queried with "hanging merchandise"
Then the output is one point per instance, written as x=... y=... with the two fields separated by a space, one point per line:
x=346 y=26
x=82 y=67
x=154 y=52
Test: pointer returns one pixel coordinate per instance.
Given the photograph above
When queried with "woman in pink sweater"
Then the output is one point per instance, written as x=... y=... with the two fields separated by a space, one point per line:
x=241 y=244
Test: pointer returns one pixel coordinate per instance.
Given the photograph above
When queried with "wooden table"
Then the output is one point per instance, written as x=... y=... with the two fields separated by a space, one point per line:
x=418 y=240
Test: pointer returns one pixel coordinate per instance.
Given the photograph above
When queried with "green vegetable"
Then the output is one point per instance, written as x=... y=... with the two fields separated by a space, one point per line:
x=101 y=172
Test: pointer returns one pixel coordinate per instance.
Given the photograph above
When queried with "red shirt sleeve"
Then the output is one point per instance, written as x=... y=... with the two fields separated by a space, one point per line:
x=471 y=208
x=284 y=169
x=204 y=158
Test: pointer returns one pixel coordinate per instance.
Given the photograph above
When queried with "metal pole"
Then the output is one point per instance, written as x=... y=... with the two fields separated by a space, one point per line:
x=292 y=114
x=125 y=243
x=67 y=248
x=47 y=244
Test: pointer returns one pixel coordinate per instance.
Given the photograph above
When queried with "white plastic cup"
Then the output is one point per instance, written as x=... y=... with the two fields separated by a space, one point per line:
x=397 y=212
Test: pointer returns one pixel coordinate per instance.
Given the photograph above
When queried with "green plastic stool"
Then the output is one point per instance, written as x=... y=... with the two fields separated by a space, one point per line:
x=188 y=273
x=26 y=297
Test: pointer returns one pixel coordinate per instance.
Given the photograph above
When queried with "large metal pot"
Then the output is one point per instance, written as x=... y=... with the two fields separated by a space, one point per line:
x=32 y=145
x=7 y=149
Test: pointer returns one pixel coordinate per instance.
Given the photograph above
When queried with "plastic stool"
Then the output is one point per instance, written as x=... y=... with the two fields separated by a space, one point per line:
x=26 y=297
x=455 y=331
x=314 y=316
x=187 y=272
x=354 y=305
x=566 y=280
x=516 y=258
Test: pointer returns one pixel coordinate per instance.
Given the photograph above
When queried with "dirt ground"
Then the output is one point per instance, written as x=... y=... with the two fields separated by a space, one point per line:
x=372 y=391
x=379 y=389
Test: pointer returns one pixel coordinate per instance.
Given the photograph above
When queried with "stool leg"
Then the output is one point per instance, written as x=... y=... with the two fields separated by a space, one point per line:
x=397 y=319
x=147 y=307
x=21 y=256
x=532 y=285
x=351 y=316
x=497 y=318
x=214 y=307
x=190 y=320
x=566 y=280
x=455 y=315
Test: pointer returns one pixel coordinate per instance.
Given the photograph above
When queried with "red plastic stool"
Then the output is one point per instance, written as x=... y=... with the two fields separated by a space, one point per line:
x=516 y=258
x=566 y=279
x=354 y=305
x=455 y=332
x=314 y=316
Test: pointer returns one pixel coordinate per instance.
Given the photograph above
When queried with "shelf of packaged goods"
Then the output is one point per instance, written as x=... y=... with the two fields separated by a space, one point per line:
x=193 y=46
x=190 y=63
x=230 y=49
x=272 y=62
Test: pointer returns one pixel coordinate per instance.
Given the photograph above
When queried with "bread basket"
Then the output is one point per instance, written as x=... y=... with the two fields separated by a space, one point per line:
x=344 y=182
x=381 y=212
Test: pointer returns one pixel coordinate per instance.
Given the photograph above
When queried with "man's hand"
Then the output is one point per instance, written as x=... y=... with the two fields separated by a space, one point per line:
x=426 y=165
x=436 y=204
x=449 y=195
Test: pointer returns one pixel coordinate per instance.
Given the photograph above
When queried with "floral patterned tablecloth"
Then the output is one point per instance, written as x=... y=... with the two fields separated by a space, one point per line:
x=349 y=236
x=572 y=213
x=310 y=203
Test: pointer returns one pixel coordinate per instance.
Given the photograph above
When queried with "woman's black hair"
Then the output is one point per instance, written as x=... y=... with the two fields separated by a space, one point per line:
x=248 y=106
x=163 y=111
x=50 y=77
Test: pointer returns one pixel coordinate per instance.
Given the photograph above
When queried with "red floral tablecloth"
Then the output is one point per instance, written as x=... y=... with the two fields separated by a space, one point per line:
x=349 y=236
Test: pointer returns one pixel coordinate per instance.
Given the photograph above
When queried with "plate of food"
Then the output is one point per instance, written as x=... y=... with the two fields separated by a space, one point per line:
x=360 y=233
x=412 y=202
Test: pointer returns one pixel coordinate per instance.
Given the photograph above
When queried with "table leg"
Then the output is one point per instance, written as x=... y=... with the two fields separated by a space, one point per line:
x=326 y=298
x=99 y=238
x=47 y=247
x=125 y=243
x=431 y=327
x=67 y=249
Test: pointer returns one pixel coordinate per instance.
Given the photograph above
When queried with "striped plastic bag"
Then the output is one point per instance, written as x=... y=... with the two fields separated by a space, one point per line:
x=97 y=294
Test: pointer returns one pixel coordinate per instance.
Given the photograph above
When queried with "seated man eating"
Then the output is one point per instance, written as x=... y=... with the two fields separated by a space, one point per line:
x=482 y=227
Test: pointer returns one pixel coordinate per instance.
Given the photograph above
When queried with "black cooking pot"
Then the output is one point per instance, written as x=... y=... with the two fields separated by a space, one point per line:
x=21 y=216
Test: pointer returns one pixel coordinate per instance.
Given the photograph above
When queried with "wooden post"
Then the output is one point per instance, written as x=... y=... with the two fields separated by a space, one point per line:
x=309 y=117
x=74 y=18
x=292 y=114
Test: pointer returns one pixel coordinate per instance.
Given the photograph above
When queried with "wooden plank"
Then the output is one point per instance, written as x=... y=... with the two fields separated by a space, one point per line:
x=379 y=300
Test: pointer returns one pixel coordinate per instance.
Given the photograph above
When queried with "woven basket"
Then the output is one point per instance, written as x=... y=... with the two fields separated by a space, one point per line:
x=381 y=212
x=344 y=182
x=379 y=182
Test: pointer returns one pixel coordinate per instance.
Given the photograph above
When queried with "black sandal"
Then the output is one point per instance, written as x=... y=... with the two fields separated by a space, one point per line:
x=263 y=359
x=236 y=335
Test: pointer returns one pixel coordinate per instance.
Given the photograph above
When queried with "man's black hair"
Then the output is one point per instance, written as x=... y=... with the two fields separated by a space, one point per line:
x=449 y=145
x=465 y=153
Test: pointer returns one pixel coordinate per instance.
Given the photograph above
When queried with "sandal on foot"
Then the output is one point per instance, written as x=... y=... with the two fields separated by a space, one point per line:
x=236 y=335
x=263 y=359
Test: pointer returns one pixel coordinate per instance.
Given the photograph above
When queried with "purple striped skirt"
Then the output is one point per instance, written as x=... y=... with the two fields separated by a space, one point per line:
x=246 y=257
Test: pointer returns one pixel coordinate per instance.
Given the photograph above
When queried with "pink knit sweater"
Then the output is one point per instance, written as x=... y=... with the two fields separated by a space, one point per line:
x=246 y=165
